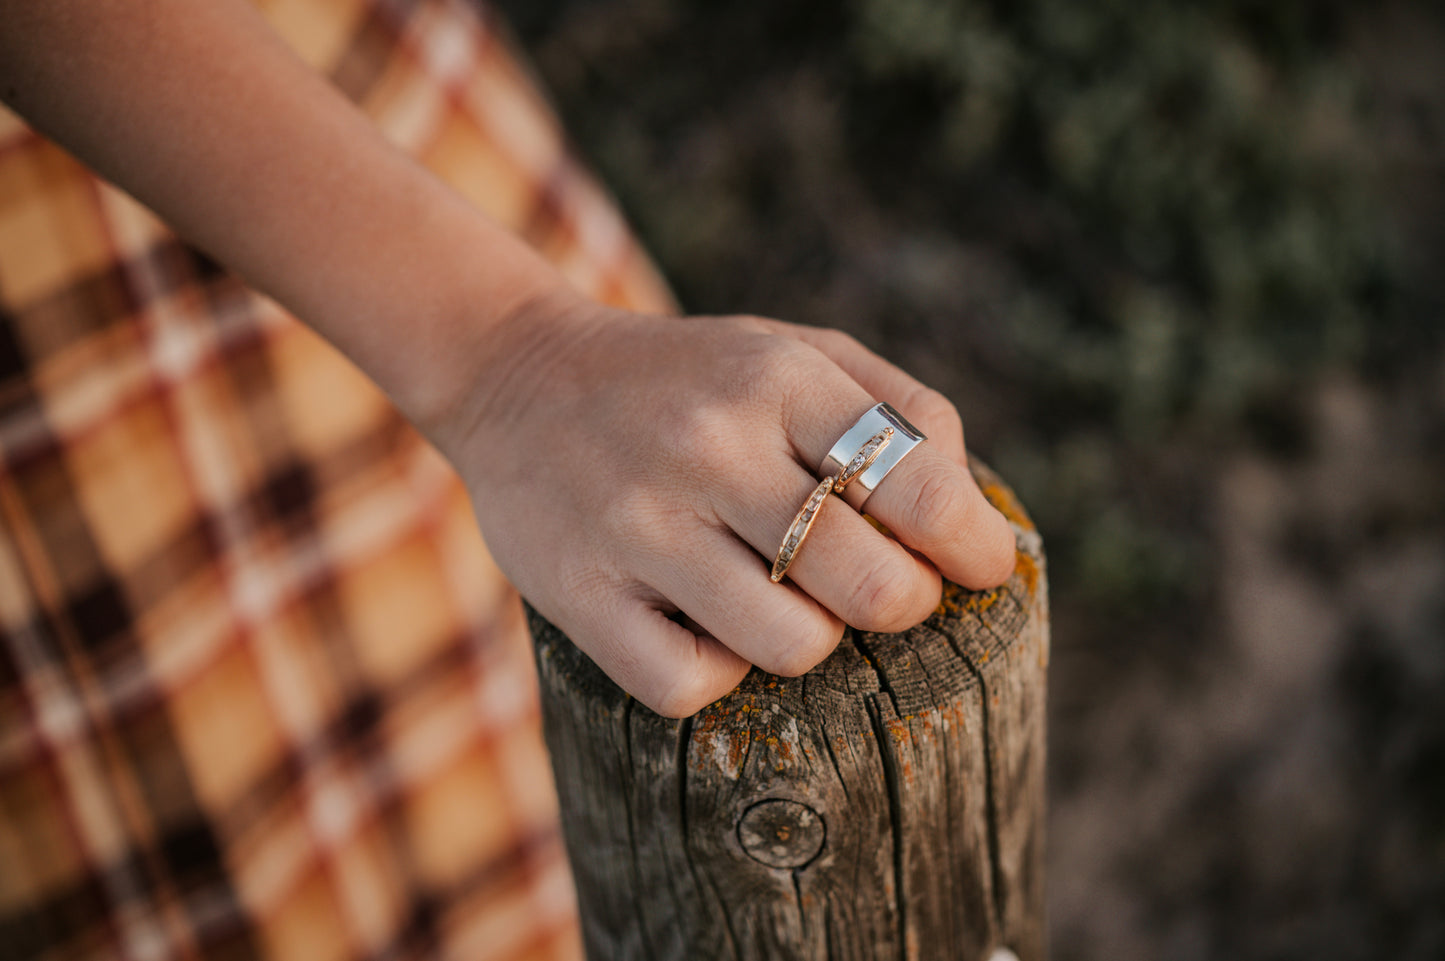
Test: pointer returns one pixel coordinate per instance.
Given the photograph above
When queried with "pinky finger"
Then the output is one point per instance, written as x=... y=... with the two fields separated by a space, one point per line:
x=673 y=670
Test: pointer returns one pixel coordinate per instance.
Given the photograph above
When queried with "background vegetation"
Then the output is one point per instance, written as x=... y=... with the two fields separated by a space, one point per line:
x=1179 y=266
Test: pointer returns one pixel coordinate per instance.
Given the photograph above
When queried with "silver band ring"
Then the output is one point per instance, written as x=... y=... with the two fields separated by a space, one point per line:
x=855 y=440
x=862 y=460
x=798 y=530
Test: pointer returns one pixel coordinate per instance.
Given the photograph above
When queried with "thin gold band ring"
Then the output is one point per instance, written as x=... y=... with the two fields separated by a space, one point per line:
x=862 y=460
x=803 y=520
x=798 y=530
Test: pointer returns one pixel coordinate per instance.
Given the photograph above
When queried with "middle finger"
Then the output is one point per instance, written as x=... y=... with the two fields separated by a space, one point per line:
x=928 y=501
x=867 y=579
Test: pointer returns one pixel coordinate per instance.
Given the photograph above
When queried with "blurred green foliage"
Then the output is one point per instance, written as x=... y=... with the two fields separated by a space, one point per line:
x=1185 y=198
x=1197 y=224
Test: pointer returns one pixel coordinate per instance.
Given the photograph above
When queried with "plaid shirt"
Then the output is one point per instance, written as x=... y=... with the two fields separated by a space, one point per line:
x=262 y=691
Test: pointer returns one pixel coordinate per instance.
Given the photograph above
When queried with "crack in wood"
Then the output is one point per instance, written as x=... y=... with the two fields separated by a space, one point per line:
x=838 y=768
x=628 y=799
x=895 y=814
x=990 y=798
x=684 y=743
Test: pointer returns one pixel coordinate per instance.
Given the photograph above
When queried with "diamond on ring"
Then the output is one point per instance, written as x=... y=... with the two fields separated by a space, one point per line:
x=798 y=530
x=884 y=458
x=864 y=459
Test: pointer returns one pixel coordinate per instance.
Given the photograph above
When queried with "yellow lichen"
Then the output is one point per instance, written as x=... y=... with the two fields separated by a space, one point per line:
x=1004 y=501
x=1026 y=569
x=957 y=601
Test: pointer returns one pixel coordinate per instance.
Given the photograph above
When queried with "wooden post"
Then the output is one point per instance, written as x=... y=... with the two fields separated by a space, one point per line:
x=889 y=804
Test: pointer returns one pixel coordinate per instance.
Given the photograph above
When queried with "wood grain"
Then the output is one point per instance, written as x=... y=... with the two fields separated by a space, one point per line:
x=889 y=804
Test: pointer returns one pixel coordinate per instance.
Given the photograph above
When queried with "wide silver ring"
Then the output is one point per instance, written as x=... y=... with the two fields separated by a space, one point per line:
x=878 y=418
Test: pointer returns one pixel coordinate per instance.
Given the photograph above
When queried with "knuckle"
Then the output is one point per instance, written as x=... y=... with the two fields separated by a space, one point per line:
x=779 y=366
x=587 y=586
x=837 y=340
x=685 y=696
x=674 y=702
x=747 y=323
x=805 y=638
x=935 y=413
x=941 y=503
x=635 y=512
x=885 y=598
x=759 y=367
x=705 y=434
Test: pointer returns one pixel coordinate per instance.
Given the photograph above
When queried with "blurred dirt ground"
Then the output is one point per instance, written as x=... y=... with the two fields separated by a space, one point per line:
x=1180 y=266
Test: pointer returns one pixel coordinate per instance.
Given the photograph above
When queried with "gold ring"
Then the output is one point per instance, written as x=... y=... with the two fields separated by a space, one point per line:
x=802 y=523
x=905 y=437
x=864 y=459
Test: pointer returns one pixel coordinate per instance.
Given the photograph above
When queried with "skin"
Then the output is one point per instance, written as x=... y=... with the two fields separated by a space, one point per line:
x=633 y=475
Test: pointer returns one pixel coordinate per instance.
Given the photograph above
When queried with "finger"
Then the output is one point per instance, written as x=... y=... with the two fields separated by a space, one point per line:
x=864 y=577
x=928 y=501
x=673 y=670
x=929 y=410
x=934 y=506
x=783 y=631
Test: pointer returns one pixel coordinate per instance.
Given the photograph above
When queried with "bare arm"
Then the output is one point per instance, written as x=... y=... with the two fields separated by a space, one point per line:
x=624 y=468
x=202 y=113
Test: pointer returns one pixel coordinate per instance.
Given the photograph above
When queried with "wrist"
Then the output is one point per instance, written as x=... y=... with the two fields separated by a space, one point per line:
x=453 y=326
x=503 y=354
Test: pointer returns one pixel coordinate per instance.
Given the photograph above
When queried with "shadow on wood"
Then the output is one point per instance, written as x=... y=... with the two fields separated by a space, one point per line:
x=888 y=804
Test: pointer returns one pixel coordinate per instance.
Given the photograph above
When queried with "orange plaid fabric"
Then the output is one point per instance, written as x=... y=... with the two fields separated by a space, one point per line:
x=262 y=692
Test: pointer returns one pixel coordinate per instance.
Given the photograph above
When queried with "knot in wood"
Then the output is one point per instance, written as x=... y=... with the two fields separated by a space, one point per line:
x=781 y=833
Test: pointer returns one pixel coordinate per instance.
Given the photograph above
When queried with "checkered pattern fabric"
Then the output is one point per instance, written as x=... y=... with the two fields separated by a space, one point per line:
x=263 y=694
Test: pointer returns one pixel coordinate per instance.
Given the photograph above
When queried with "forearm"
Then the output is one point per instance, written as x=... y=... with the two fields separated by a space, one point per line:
x=203 y=114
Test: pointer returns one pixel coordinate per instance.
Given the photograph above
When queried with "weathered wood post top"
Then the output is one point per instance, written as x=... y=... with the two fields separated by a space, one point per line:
x=888 y=804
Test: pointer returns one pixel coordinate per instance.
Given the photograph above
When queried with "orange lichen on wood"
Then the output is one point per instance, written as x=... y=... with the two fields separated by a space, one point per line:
x=1006 y=504
x=738 y=748
x=1026 y=569
x=959 y=600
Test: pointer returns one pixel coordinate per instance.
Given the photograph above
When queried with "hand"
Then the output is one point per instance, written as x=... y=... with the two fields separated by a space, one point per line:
x=635 y=475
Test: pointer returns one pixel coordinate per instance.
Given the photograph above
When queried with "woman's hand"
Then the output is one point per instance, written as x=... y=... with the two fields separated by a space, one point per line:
x=634 y=477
